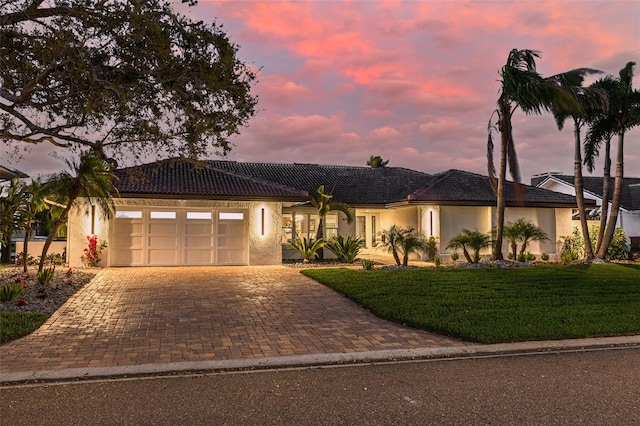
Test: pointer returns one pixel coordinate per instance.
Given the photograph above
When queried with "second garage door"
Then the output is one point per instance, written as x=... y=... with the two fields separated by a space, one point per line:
x=172 y=237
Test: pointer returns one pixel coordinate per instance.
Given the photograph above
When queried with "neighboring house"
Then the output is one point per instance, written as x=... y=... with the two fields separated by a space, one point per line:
x=629 y=215
x=171 y=213
x=7 y=174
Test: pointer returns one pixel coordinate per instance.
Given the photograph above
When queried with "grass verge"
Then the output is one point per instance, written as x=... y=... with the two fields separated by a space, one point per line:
x=493 y=305
x=17 y=324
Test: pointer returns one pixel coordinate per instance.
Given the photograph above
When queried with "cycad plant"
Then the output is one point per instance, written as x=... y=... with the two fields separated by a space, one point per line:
x=346 y=248
x=308 y=247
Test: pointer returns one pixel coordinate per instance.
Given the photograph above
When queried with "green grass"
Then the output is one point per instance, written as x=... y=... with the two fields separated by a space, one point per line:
x=491 y=305
x=17 y=324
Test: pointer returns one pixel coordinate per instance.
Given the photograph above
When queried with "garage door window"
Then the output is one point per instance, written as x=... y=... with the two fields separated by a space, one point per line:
x=163 y=215
x=231 y=216
x=128 y=215
x=199 y=215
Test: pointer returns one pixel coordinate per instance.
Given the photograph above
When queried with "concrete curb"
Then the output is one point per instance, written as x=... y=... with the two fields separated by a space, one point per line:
x=464 y=351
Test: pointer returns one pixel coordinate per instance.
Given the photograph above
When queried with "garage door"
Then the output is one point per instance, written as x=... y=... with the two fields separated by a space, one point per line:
x=172 y=237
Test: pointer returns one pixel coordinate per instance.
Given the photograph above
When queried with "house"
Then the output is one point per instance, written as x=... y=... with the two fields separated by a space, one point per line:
x=228 y=213
x=629 y=215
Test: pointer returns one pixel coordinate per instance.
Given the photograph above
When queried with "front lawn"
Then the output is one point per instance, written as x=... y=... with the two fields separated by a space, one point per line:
x=17 y=324
x=492 y=305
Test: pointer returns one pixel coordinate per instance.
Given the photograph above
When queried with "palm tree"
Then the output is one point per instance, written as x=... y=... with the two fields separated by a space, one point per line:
x=34 y=203
x=529 y=232
x=390 y=238
x=411 y=241
x=323 y=203
x=470 y=240
x=10 y=206
x=511 y=233
x=623 y=115
x=523 y=87
x=593 y=100
x=377 y=161
x=93 y=178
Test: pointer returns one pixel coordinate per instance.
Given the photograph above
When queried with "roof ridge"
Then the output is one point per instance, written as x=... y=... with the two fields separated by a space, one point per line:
x=257 y=180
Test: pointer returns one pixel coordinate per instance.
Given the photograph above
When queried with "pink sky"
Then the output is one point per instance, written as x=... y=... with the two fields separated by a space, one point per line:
x=414 y=82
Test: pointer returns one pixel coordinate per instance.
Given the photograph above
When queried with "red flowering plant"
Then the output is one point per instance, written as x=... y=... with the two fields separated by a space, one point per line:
x=69 y=272
x=93 y=250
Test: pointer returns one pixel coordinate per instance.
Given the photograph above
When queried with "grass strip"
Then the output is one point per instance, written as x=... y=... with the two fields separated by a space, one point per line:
x=18 y=324
x=497 y=305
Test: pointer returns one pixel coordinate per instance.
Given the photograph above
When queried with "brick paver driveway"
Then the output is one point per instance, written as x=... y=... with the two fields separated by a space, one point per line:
x=133 y=316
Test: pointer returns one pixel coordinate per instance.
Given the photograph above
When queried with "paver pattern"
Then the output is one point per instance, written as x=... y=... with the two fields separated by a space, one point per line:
x=132 y=316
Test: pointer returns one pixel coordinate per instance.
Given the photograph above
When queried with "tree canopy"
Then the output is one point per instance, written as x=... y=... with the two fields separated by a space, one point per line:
x=119 y=77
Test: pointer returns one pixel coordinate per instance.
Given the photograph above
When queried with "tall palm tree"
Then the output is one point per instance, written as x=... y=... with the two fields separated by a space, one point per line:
x=10 y=205
x=322 y=202
x=34 y=203
x=594 y=100
x=93 y=178
x=522 y=86
x=623 y=115
x=591 y=149
x=376 y=161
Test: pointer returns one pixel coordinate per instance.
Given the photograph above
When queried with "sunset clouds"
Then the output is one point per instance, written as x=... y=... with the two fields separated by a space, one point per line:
x=413 y=81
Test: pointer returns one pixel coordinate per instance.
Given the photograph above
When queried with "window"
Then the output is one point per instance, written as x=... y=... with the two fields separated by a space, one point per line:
x=331 y=226
x=374 y=231
x=162 y=215
x=230 y=216
x=199 y=215
x=128 y=214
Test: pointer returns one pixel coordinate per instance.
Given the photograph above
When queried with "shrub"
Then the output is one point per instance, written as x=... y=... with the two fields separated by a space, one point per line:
x=404 y=241
x=52 y=259
x=431 y=248
x=346 y=249
x=544 y=256
x=93 y=250
x=567 y=257
x=20 y=259
x=437 y=261
x=367 y=264
x=522 y=257
x=46 y=275
x=455 y=256
x=12 y=291
x=308 y=247
x=619 y=248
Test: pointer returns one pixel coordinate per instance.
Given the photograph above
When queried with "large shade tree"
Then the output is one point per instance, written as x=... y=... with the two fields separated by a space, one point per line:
x=623 y=114
x=131 y=77
x=523 y=87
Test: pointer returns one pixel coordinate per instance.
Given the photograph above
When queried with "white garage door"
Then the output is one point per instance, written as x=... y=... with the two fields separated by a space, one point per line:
x=172 y=237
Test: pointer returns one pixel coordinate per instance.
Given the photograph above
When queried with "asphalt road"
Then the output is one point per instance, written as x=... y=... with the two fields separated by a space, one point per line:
x=582 y=388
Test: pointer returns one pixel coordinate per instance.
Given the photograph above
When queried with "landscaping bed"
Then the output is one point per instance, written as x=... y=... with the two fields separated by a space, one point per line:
x=491 y=305
x=45 y=298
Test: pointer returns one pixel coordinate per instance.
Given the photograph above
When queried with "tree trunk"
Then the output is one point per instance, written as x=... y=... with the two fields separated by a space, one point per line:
x=606 y=182
x=319 y=235
x=25 y=248
x=514 y=249
x=577 y=183
x=615 y=201
x=466 y=255
x=5 y=256
x=505 y=136
x=52 y=233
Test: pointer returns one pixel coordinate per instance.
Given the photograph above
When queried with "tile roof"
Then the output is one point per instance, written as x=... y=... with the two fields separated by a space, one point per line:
x=356 y=186
x=349 y=184
x=7 y=173
x=171 y=177
x=630 y=198
x=460 y=187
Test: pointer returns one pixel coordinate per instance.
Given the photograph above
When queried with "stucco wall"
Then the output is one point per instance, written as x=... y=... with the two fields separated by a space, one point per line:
x=453 y=219
x=263 y=249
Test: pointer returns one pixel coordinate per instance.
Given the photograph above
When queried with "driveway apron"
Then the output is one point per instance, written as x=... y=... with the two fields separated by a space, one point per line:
x=133 y=316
